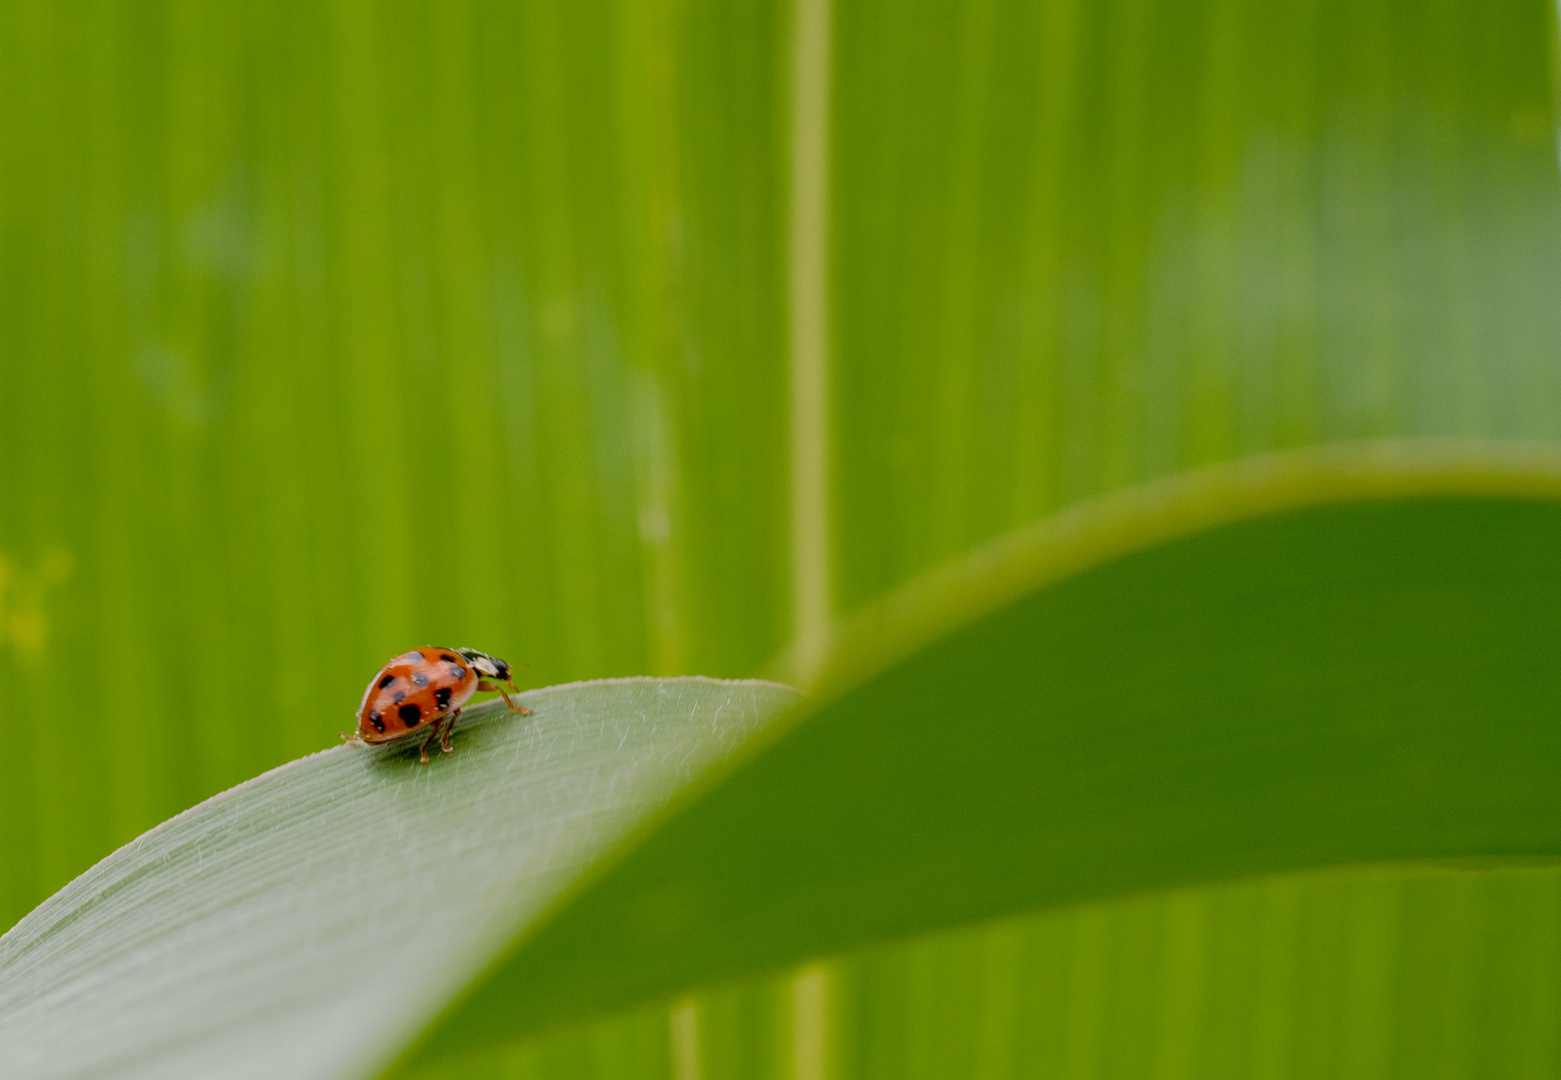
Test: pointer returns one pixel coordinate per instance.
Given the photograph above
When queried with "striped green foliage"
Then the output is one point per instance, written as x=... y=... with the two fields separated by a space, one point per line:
x=1079 y=245
x=1378 y=973
x=327 y=329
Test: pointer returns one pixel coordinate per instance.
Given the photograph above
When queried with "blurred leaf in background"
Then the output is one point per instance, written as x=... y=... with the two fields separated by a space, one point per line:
x=1080 y=245
x=329 y=329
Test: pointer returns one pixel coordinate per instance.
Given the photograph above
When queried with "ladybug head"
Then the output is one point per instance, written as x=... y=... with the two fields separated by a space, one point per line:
x=487 y=666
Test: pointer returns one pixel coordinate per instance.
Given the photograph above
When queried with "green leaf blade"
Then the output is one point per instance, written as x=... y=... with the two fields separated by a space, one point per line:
x=1353 y=665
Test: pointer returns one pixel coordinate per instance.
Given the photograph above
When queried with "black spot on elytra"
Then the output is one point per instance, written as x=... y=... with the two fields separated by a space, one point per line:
x=447 y=658
x=400 y=696
x=442 y=696
x=419 y=679
x=457 y=672
x=379 y=725
x=410 y=714
x=386 y=681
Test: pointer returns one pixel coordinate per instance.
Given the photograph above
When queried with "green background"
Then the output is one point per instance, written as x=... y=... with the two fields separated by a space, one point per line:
x=330 y=329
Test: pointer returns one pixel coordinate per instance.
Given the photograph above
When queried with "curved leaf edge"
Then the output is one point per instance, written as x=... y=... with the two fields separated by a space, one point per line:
x=958 y=593
x=474 y=714
x=88 y=890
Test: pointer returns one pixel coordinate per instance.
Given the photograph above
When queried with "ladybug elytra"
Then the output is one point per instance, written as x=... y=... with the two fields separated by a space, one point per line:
x=423 y=691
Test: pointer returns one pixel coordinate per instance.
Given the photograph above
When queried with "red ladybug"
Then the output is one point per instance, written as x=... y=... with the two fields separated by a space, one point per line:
x=423 y=690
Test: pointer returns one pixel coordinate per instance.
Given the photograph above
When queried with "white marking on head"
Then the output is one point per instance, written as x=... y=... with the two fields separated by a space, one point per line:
x=481 y=661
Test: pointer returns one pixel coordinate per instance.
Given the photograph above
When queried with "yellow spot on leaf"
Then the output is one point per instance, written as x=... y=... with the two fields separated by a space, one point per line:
x=24 y=622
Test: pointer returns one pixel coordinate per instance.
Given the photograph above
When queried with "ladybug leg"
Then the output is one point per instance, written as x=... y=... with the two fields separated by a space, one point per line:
x=422 y=752
x=449 y=726
x=521 y=709
x=488 y=687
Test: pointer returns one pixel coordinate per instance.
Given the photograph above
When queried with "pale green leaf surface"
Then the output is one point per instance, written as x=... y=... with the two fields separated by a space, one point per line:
x=305 y=923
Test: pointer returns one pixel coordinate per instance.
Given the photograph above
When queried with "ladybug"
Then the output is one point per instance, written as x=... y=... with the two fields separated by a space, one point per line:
x=423 y=691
